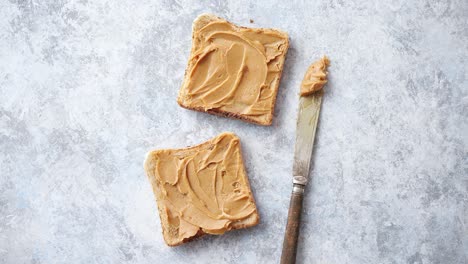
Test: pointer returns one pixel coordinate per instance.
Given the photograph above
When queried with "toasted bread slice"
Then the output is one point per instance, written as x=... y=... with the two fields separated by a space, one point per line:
x=201 y=190
x=233 y=71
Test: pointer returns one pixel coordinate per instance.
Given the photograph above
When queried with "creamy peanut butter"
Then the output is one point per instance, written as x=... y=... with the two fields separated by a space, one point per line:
x=234 y=69
x=315 y=77
x=202 y=187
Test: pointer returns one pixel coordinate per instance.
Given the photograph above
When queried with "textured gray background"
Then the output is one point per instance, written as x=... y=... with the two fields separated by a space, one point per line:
x=87 y=88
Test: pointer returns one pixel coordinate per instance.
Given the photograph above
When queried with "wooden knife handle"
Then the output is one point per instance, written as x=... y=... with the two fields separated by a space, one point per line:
x=288 y=256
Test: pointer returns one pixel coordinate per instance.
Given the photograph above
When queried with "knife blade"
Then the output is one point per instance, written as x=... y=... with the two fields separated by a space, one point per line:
x=307 y=119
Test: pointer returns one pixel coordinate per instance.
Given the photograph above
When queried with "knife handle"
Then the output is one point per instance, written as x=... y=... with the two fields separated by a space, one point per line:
x=288 y=256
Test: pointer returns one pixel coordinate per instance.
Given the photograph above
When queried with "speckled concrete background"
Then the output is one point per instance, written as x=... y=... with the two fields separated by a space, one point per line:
x=87 y=88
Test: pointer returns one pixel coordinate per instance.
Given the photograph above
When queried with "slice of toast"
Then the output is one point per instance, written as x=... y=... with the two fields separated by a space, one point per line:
x=202 y=189
x=233 y=71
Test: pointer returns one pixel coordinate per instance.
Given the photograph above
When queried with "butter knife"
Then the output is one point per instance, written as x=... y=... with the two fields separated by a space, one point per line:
x=308 y=115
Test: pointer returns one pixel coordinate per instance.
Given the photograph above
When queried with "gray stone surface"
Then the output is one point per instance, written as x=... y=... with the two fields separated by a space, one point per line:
x=88 y=87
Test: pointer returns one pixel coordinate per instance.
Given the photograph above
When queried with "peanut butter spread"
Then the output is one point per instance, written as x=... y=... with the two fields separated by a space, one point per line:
x=235 y=70
x=315 y=77
x=202 y=187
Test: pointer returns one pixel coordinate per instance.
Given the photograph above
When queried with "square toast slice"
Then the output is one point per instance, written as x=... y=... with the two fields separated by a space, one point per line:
x=202 y=189
x=233 y=71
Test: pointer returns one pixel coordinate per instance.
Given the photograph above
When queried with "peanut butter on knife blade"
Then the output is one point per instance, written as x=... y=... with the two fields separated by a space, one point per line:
x=315 y=77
